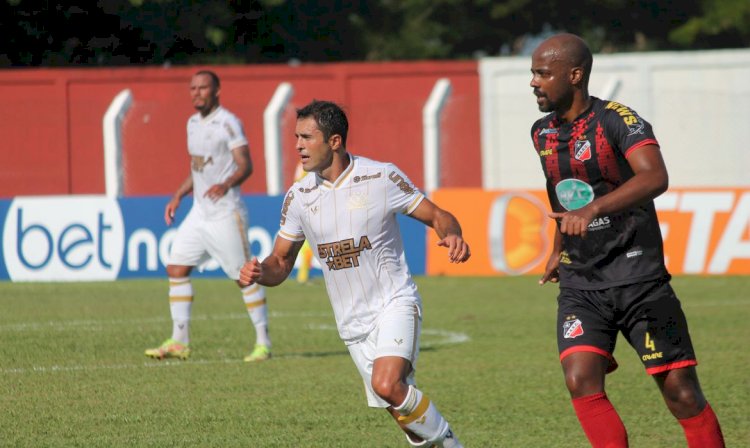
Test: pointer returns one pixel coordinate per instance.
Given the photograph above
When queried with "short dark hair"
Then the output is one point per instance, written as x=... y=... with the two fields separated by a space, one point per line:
x=214 y=77
x=330 y=117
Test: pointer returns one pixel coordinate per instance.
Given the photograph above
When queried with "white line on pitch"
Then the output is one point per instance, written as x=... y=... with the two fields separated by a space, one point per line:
x=443 y=337
x=97 y=323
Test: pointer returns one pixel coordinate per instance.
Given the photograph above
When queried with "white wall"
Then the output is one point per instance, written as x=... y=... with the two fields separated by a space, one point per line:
x=698 y=103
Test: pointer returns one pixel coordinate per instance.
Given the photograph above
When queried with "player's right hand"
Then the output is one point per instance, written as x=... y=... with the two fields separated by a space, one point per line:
x=250 y=272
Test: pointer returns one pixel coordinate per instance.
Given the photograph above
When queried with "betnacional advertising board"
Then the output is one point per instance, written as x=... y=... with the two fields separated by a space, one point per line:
x=95 y=238
x=705 y=231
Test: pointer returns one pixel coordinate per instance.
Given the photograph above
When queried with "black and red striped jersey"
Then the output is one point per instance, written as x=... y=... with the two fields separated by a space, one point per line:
x=586 y=159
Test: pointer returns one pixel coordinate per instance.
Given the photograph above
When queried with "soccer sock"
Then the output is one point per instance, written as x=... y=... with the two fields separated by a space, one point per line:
x=600 y=421
x=421 y=417
x=180 y=304
x=703 y=430
x=255 y=301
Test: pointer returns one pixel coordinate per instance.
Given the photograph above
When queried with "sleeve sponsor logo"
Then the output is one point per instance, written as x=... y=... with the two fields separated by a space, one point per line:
x=285 y=208
x=632 y=120
x=229 y=130
x=405 y=186
x=343 y=254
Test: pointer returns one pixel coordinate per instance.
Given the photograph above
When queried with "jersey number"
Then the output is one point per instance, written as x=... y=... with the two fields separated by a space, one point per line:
x=650 y=342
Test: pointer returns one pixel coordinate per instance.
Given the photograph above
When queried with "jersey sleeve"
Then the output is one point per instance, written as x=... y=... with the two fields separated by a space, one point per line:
x=403 y=196
x=290 y=224
x=235 y=133
x=626 y=129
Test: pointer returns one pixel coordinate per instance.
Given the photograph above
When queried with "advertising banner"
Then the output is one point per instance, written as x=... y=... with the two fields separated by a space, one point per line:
x=95 y=238
x=705 y=231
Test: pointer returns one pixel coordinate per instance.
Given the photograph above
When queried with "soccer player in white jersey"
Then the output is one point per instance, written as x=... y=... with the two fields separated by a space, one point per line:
x=347 y=211
x=216 y=226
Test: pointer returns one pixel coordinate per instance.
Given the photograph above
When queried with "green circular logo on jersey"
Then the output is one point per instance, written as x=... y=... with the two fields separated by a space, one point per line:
x=574 y=193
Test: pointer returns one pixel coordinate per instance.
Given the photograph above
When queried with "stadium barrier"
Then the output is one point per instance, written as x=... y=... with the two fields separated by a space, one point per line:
x=705 y=231
x=96 y=238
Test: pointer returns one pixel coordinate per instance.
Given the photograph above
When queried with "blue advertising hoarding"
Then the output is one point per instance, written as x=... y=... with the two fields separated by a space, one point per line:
x=90 y=238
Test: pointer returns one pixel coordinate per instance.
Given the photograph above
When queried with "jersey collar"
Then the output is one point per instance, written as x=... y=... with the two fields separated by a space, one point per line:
x=343 y=177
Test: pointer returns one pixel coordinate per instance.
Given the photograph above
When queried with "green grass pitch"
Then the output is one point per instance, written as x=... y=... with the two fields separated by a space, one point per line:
x=73 y=373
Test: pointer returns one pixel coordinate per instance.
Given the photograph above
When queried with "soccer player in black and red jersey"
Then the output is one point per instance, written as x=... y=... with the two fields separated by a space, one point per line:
x=604 y=168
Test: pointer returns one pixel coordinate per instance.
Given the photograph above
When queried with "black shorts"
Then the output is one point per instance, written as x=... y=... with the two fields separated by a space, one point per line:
x=648 y=314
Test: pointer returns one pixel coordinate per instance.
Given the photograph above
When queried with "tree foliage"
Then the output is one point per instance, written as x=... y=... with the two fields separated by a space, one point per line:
x=126 y=32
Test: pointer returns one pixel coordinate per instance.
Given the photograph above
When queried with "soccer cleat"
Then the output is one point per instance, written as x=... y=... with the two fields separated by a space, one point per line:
x=260 y=353
x=169 y=349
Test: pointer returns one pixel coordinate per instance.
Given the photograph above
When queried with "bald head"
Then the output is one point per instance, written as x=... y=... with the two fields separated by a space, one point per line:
x=560 y=68
x=569 y=50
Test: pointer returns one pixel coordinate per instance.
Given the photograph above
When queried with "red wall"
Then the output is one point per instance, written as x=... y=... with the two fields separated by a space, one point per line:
x=51 y=121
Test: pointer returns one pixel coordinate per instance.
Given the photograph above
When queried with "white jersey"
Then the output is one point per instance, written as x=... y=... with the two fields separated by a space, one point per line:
x=351 y=226
x=210 y=142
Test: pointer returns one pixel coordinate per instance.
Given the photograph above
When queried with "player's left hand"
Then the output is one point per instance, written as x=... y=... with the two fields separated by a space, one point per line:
x=458 y=249
x=216 y=192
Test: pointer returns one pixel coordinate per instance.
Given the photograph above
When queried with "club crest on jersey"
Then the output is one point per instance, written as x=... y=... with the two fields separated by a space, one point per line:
x=572 y=329
x=582 y=150
x=357 y=200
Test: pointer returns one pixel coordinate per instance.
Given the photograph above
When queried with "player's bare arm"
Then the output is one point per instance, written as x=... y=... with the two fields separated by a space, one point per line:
x=649 y=181
x=241 y=156
x=551 y=270
x=447 y=228
x=171 y=208
x=275 y=268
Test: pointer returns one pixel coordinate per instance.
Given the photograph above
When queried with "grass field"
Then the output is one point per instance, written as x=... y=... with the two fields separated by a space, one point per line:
x=73 y=374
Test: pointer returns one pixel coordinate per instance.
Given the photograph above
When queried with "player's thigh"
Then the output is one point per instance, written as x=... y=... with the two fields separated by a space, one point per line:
x=363 y=355
x=399 y=329
x=396 y=334
x=226 y=242
x=188 y=248
x=657 y=328
x=585 y=323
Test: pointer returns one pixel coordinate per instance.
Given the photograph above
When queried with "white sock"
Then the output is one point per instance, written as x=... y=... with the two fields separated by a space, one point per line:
x=180 y=305
x=255 y=302
x=421 y=417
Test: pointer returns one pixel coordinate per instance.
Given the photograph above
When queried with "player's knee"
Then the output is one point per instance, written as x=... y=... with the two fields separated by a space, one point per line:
x=387 y=388
x=684 y=397
x=581 y=383
x=176 y=271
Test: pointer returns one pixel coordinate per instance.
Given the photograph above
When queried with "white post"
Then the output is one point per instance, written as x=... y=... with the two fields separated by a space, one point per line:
x=431 y=133
x=112 y=130
x=272 y=137
x=609 y=91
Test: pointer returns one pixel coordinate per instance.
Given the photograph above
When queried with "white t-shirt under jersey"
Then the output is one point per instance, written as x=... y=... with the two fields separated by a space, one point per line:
x=210 y=143
x=351 y=226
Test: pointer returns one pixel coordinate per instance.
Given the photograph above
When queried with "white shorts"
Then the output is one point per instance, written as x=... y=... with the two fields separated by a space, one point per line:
x=396 y=334
x=224 y=240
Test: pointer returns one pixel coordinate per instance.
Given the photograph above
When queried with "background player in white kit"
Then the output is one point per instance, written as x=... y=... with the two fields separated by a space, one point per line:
x=216 y=225
x=347 y=212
